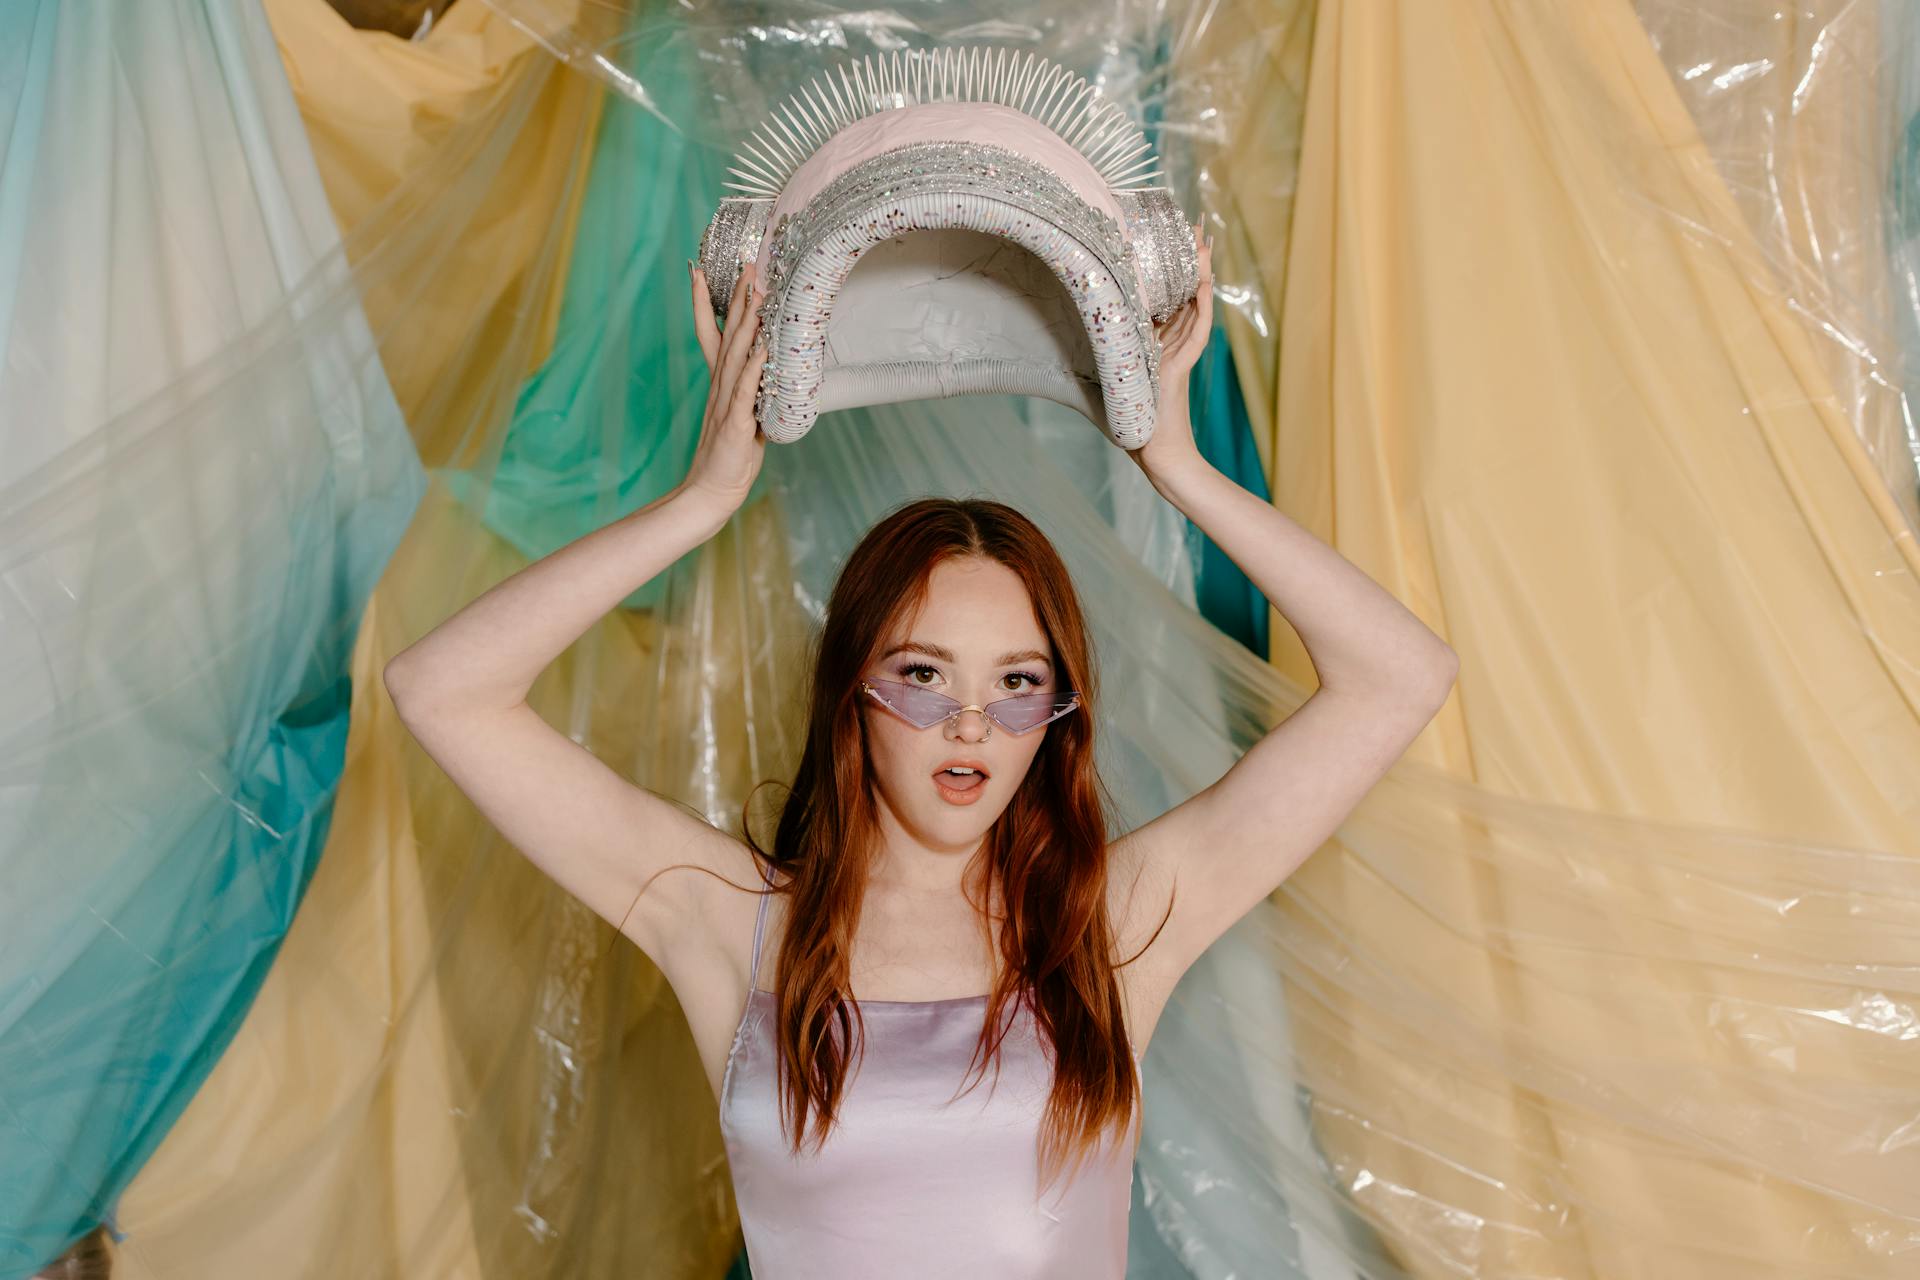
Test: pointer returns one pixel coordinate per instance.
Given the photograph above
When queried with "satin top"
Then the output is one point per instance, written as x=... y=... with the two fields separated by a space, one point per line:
x=913 y=1181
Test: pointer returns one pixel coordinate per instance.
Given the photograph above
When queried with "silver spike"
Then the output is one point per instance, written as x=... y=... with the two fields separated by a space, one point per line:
x=1070 y=105
x=775 y=136
x=1073 y=123
x=1101 y=141
x=869 y=91
x=776 y=150
x=802 y=135
x=1130 y=179
x=822 y=106
x=1056 y=84
x=797 y=114
x=1111 y=134
x=758 y=179
x=856 y=88
x=1076 y=132
x=1029 y=76
x=848 y=111
x=752 y=153
x=793 y=145
x=757 y=173
x=1127 y=155
x=818 y=113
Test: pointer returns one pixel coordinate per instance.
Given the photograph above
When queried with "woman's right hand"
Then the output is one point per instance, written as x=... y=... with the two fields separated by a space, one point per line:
x=732 y=446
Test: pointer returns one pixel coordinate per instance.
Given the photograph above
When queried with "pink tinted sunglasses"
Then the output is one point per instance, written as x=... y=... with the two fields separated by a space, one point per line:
x=923 y=708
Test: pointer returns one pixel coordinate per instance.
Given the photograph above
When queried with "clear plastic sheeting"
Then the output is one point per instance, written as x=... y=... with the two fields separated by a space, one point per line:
x=1811 y=113
x=1614 y=975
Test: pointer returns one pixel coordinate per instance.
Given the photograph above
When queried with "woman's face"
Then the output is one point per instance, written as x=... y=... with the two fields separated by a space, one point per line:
x=976 y=640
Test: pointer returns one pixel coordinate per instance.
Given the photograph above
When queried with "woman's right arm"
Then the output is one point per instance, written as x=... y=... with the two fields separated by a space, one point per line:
x=462 y=688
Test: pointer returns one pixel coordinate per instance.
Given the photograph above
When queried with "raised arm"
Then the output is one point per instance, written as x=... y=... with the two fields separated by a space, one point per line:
x=462 y=688
x=1383 y=675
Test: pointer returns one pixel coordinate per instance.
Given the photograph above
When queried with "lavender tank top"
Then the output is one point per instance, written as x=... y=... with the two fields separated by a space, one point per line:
x=911 y=1181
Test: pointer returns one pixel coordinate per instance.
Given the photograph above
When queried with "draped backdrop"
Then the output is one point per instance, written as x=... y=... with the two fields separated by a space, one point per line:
x=1591 y=331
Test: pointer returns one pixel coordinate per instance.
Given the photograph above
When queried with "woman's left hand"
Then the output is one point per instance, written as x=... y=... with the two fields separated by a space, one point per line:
x=1182 y=338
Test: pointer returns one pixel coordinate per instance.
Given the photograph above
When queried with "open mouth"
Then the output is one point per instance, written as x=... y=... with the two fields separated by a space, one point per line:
x=958 y=784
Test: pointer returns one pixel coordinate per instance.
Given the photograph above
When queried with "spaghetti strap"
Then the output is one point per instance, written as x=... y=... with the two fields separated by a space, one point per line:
x=746 y=1007
x=759 y=927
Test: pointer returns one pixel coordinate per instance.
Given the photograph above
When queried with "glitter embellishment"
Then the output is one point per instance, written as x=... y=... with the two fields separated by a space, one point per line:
x=730 y=242
x=1167 y=258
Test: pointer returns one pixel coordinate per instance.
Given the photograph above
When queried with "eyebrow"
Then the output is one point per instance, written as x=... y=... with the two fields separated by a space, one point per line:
x=947 y=655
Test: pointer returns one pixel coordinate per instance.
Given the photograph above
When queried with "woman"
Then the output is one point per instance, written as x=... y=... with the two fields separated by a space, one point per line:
x=943 y=894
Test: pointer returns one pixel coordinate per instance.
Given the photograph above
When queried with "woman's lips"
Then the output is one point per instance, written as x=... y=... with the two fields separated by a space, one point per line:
x=958 y=791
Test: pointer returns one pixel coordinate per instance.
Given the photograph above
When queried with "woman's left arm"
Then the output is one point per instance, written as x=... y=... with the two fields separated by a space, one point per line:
x=1362 y=641
x=1382 y=676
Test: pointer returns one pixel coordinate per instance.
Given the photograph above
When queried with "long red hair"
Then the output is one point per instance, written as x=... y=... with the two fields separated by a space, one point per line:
x=1047 y=852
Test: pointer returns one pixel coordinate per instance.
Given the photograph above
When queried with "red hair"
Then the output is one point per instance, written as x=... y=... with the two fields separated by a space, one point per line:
x=1047 y=852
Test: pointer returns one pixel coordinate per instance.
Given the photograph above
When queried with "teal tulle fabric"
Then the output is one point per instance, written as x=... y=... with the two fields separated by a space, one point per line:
x=1220 y=427
x=609 y=422
x=202 y=473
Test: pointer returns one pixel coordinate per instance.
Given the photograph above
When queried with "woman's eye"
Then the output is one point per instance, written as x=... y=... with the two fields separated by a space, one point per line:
x=910 y=674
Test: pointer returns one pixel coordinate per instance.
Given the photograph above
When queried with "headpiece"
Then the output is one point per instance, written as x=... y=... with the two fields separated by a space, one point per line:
x=1007 y=231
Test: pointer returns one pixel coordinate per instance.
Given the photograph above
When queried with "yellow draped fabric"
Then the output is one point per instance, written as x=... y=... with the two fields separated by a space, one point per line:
x=374 y=1110
x=1537 y=376
x=478 y=113
x=337 y=1128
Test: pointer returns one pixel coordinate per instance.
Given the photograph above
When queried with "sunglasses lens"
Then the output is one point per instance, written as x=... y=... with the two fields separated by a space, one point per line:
x=924 y=707
x=1030 y=711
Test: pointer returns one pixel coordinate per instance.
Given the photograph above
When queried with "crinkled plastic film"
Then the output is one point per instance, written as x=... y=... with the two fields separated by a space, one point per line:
x=1811 y=113
x=1594 y=328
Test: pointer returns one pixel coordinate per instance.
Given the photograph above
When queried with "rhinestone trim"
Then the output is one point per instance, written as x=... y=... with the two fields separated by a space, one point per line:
x=730 y=242
x=1169 y=262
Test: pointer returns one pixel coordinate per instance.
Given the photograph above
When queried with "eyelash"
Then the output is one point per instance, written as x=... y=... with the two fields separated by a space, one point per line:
x=1033 y=681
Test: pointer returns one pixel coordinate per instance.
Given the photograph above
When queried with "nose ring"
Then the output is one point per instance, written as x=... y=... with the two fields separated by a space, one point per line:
x=974 y=706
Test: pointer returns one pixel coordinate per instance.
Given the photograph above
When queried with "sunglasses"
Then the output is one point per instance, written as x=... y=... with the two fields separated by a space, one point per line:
x=923 y=708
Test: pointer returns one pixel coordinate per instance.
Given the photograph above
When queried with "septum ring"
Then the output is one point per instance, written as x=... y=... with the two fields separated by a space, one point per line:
x=954 y=719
